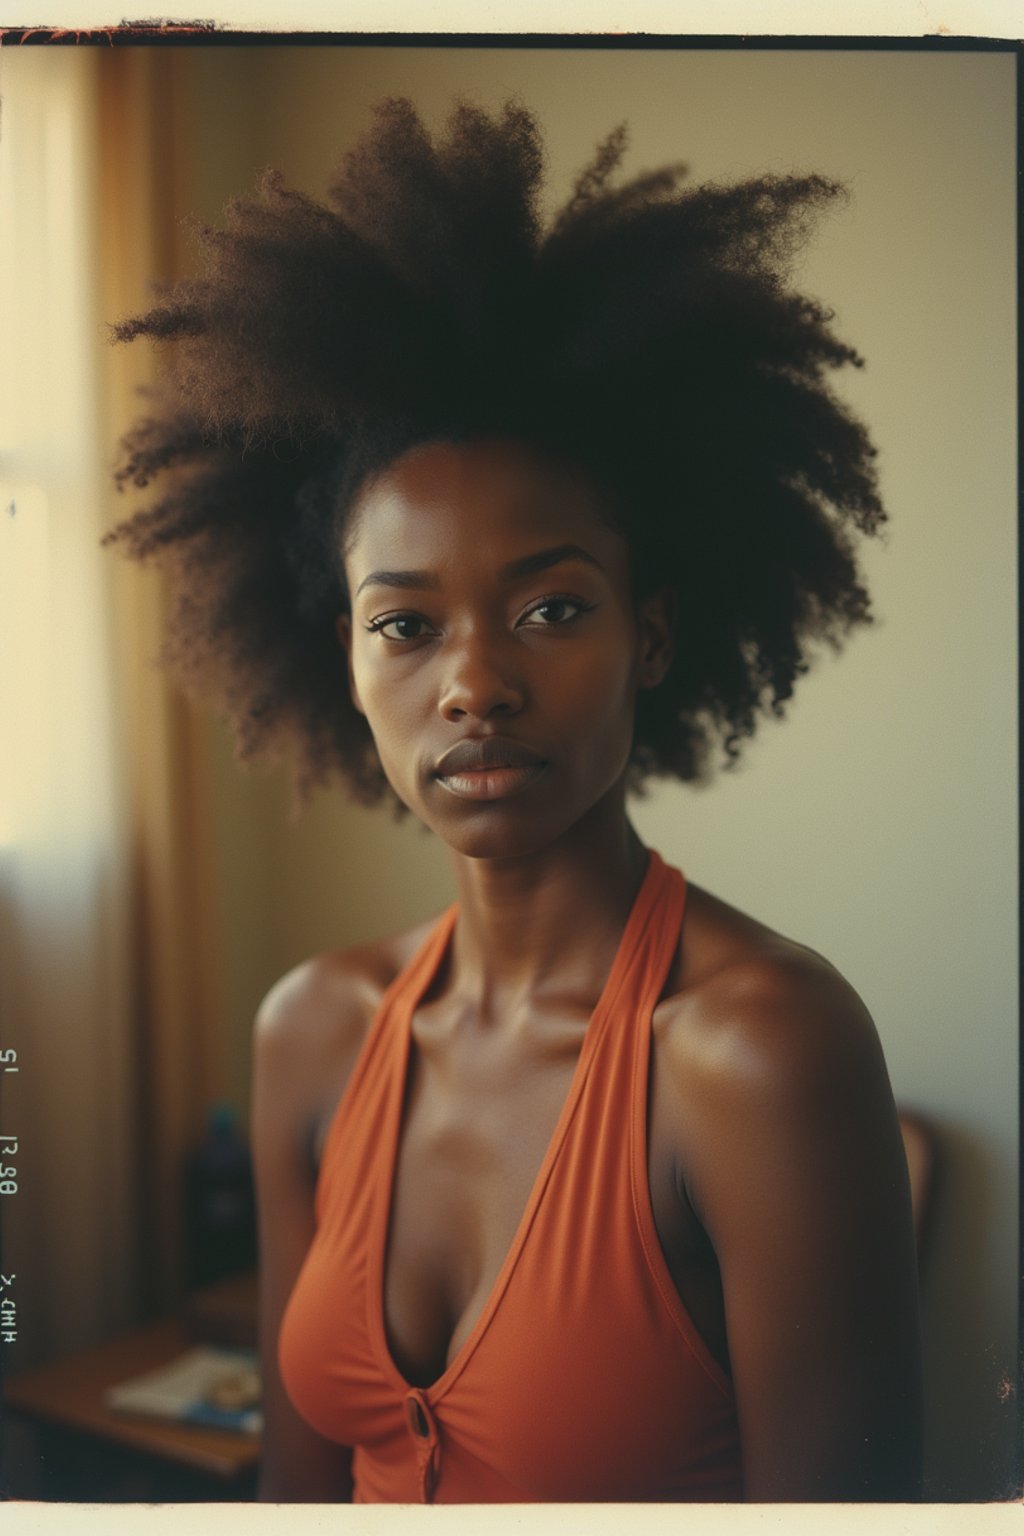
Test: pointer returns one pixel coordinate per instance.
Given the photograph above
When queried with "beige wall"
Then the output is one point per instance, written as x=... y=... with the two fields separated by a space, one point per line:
x=878 y=824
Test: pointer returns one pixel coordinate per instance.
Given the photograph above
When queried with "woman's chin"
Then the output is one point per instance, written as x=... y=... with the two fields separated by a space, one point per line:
x=490 y=831
x=493 y=842
x=528 y=820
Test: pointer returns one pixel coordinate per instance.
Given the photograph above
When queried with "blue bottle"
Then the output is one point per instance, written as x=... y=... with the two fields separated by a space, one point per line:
x=220 y=1215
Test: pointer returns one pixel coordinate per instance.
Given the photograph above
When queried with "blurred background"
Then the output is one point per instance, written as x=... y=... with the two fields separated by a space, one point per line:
x=150 y=892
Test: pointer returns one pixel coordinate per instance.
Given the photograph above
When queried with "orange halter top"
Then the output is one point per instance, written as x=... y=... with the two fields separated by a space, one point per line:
x=584 y=1377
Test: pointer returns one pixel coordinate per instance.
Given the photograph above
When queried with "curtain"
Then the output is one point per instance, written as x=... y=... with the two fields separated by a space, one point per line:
x=109 y=975
x=69 y=1230
x=145 y=140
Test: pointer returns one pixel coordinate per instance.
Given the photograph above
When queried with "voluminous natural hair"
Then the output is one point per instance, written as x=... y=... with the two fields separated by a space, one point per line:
x=648 y=336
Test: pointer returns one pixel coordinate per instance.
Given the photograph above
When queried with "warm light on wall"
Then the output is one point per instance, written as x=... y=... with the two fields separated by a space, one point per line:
x=55 y=697
x=25 y=621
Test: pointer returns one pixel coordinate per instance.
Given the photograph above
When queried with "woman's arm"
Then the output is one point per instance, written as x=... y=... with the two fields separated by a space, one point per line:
x=794 y=1164
x=298 y=1464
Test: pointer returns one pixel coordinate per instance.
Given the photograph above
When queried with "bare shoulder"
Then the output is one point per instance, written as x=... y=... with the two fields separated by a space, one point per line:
x=311 y=1024
x=764 y=1056
x=331 y=997
x=752 y=1012
x=782 y=1134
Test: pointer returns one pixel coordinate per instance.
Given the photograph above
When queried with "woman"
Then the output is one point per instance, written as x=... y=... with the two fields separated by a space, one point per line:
x=592 y=1188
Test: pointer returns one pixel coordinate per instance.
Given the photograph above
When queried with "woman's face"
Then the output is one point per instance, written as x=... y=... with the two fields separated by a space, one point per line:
x=493 y=643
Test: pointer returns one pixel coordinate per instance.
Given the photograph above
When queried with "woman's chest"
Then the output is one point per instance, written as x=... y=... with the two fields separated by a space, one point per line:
x=481 y=1132
x=478 y=1121
x=486 y=1273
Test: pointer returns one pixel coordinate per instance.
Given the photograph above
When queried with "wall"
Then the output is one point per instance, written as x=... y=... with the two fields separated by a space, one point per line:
x=878 y=824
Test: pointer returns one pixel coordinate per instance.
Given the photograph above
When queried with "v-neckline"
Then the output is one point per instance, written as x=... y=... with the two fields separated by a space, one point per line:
x=391 y=1134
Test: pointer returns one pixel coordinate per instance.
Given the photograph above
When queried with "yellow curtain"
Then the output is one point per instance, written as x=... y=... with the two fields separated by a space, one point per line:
x=108 y=948
x=144 y=134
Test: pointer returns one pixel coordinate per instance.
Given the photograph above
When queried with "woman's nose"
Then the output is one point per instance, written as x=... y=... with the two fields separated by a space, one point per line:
x=481 y=681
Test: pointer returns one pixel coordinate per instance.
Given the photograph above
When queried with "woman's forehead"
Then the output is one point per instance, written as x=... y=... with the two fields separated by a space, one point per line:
x=495 y=495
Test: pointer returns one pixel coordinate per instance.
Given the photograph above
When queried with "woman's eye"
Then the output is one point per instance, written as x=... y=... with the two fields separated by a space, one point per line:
x=399 y=626
x=553 y=611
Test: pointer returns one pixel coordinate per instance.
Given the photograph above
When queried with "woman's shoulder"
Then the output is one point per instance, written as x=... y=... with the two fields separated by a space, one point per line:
x=750 y=1013
x=772 y=1088
x=313 y=1020
x=779 y=1127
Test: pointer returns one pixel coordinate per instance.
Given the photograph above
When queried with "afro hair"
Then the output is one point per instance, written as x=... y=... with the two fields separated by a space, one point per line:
x=647 y=335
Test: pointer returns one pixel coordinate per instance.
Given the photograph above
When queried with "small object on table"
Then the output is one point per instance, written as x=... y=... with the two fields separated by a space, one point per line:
x=215 y=1387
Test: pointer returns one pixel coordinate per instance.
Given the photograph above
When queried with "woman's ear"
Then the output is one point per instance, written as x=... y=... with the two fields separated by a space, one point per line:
x=343 y=625
x=656 y=622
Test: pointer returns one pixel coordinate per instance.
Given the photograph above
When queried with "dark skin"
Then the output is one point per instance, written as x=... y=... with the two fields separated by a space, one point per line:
x=776 y=1173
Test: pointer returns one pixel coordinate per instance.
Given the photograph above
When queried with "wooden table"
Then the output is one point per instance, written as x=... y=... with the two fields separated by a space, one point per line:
x=67 y=1395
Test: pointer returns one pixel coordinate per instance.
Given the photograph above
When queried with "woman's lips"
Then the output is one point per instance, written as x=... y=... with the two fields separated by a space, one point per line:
x=490 y=783
x=488 y=768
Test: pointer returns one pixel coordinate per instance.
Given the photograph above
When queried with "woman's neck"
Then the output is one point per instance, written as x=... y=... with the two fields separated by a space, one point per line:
x=546 y=921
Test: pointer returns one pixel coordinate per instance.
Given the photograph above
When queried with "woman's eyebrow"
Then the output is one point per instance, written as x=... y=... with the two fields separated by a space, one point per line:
x=408 y=579
x=527 y=565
